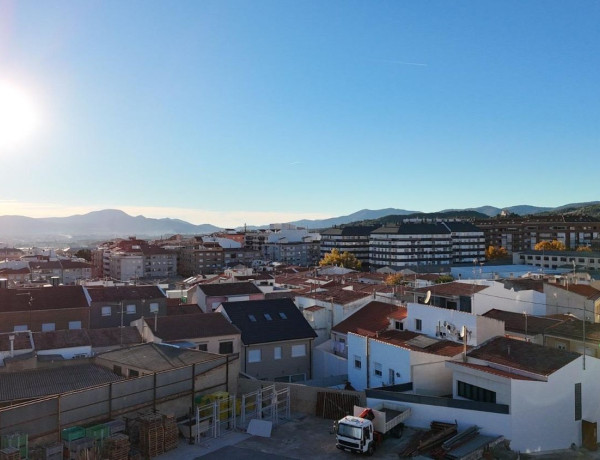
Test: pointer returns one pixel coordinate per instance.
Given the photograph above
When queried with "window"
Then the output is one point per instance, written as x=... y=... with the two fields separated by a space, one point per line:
x=154 y=307
x=74 y=324
x=106 y=311
x=418 y=324
x=282 y=315
x=21 y=328
x=254 y=356
x=131 y=309
x=133 y=373
x=203 y=346
x=277 y=353
x=357 y=362
x=298 y=350
x=117 y=370
x=225 y=347
x=475 y=393
x=398 y=325
x=378 y=372
x=48 y=327
x=252 y=318
x=268 y=317
x=561 y=346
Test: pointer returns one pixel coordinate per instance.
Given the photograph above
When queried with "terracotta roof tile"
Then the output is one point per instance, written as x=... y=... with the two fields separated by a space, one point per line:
x=517 y=322
x=181 y=327
x=453 y=289
x=491 y=370
x=372 y=318
x=61 y=339
x=227 y=289
x=405 y=339
x=525 y=356
x=45 y=298
x=118 y=293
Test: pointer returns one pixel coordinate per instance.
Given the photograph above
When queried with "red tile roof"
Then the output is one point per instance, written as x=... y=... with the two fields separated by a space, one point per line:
x=405 y=339
x=526 y=356
x=113 y=336
x=61 y=339
x=314 y=308
x=518 y=322
x=181 y=327
x=46 y=298
x=453 y=289
x=21 y=342
x=491 y=370
x=118 y=293
x=337 y=296
x=372 y=318
x=583 y=290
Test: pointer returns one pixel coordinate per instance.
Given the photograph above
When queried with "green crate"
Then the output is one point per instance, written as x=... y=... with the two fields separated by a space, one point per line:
x=73 y=433
x=98 y=432
x=18 y=440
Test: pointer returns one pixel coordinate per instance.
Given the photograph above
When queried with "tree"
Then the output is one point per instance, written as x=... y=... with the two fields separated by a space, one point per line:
x=84 y=254
x=496 y=252
x=584 y=249
x=444 y=279
x=553 y=245
x=394 y=279
x=345 y=259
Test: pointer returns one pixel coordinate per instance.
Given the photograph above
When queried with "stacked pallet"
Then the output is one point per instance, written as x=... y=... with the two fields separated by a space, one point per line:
x=116 y=447
x=10 y=453
x=152 y=435
x=171 y=432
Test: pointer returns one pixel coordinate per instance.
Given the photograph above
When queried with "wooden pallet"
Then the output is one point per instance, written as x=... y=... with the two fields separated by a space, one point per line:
x=152 y=435
x=171 y=432
x=116 y=447
x=10 y=453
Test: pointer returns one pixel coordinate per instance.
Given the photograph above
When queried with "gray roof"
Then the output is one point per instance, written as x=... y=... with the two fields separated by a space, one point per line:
x=156 y=357
x=413 y=229
x=44 y=382
x=352 y=230
x=463 y=227
x=263 y=321
x=227 y=289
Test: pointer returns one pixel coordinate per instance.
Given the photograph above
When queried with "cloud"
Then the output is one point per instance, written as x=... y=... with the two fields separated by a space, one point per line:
x=228 y=219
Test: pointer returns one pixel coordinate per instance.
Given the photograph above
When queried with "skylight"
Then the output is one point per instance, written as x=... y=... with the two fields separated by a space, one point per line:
x=252 y=318
x=282 y=315
x=268 y=317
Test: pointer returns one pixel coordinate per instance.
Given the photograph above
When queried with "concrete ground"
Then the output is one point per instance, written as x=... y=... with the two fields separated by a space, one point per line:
x=311 y=437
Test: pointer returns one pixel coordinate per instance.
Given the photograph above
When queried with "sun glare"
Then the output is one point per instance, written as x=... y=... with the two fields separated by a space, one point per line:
x=18 y=117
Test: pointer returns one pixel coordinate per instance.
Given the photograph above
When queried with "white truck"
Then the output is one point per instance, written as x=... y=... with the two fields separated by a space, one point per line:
x=364 y=430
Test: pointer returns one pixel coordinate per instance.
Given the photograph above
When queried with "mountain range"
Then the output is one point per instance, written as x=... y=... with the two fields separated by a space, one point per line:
x=112 y=223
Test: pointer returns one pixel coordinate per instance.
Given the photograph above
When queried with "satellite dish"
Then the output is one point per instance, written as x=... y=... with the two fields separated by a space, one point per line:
x=428 y=297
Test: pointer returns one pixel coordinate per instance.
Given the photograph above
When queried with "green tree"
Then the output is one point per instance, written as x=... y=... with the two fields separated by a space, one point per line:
x=496 y=252
x=345 y=259
x=444 y=279
x=553 y=245
x=84 y=254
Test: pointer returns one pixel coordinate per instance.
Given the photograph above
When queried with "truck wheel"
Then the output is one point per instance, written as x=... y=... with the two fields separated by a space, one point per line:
x=371 y=449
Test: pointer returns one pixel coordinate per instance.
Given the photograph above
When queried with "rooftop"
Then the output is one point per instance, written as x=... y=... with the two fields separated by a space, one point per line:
x=421 y=343
x=373 y=317
x=518 y=322
x=45 y=298
x=191 y=326
x=119 y=293
x=229 y=289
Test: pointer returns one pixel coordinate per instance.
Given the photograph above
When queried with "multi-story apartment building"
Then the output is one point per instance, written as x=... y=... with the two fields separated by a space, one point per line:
x=197 y=257
x=133 y=259
x=295 y=246
x=256 y=240
x=353 y=239
x=516 y=233
x=468 y=242
x=239 y=256
x=411 y=244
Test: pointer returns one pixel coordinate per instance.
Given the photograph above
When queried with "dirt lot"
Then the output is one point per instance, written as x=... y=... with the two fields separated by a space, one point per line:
x=301 y=438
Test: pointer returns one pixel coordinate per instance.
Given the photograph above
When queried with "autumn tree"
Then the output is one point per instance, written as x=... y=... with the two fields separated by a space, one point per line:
x=553 y=245
x=394 y=279
x=584 y=249
x=345 y=259
x=496 y=252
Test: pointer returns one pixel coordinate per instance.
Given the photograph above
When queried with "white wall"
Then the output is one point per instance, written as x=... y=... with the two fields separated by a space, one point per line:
x=433 y=317
x=421 y=416
x=497 y=296
x=544 y=413
x=327 y=364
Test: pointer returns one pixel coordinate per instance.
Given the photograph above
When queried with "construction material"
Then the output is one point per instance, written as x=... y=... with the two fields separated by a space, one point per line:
x=80 y=448
x=260 y=428
x=115 y=426
x=152 y=435
x=16 y=439
x=10 y=453
x=171 y=432
x=72 y=433
x=116 y=447
x=53 y=451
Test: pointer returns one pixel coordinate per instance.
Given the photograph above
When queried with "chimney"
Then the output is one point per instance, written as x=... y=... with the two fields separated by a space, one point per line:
x=12 y=345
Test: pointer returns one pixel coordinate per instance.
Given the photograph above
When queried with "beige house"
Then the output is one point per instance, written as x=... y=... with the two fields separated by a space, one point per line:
x=199 y=331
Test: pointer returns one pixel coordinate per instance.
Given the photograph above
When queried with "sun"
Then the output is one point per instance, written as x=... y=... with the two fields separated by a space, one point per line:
x=18 y=116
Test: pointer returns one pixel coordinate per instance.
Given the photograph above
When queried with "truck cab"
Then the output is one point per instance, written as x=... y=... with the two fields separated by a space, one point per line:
x=355 y=434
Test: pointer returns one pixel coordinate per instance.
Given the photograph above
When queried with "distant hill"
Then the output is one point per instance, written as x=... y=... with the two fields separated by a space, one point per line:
x=108 y=223
x=591 y=209
x=396 y=219
x=492 y=211
x=363 y=214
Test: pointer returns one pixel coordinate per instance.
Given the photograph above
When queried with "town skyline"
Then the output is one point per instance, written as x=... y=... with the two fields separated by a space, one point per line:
x=236 y=112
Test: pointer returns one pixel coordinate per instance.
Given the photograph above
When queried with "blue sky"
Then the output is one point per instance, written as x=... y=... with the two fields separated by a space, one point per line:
x=232 y=112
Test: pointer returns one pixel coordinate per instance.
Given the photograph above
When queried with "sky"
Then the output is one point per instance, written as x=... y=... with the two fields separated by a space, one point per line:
x=230 y=112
